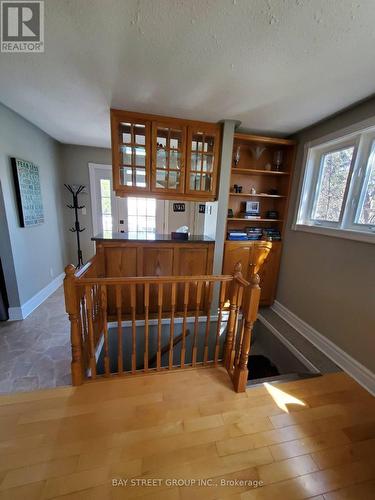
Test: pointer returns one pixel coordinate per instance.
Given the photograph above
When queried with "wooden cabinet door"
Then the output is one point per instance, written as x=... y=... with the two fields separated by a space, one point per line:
x=235 y=252
x=192 y=260
x=120 y=262
x=131 y=147
x=268 y=275
x=168 y=158
x=202 y=161
x=155 y=261
x=243 y=252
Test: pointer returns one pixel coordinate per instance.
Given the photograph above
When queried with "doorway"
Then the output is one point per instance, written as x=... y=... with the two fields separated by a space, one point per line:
x=111 y=213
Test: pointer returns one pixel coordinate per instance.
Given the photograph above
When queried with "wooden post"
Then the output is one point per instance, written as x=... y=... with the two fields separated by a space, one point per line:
x=72 y=308
x=251 y=311
x=228 y=346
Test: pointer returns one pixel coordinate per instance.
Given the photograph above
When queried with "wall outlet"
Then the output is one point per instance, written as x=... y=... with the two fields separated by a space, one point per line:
x=51 y=272
x=84 y=211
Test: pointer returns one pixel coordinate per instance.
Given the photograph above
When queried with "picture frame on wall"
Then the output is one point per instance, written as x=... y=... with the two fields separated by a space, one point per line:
x=28 y=192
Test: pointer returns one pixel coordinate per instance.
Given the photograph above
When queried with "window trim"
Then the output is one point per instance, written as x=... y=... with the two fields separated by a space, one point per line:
x=361 y=135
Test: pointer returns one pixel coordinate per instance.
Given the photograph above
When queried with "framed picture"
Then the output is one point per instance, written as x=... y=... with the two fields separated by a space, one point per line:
x=28 y=192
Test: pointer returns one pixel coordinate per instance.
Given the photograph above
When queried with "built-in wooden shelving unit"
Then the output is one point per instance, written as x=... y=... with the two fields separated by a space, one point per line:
x=255 y=167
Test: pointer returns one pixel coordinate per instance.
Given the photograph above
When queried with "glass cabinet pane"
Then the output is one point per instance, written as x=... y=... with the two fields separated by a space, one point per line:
x=197 y=142
x=140 y=177
x=140 y=157
x=174 y=160
x=126 y=155
x=173 y=180
x=208 y=144
x=126 y=176
x=207 y=163
x=161 y=178
x=162 y=137
x=206 y=182
x=195 y=182
x=161 y=158
x=195 y=162
x=140 y=134
x=125 y=133
x=175 y=139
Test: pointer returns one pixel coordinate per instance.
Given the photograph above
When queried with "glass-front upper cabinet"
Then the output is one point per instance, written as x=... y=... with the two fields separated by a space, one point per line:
x=202 y=161
x=131 y=157
x=168 y=157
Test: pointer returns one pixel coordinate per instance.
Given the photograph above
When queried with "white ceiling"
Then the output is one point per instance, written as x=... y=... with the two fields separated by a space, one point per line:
x=275 y=65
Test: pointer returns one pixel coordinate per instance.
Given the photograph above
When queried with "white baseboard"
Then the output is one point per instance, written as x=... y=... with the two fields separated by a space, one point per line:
x=19 y=313
x=350 y=365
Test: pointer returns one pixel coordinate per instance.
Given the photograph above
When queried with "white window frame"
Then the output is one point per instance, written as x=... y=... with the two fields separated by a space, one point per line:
x=361 y=136
x=119 y=205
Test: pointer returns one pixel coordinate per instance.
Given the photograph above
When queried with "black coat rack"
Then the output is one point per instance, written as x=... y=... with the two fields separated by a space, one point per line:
x=75 y=191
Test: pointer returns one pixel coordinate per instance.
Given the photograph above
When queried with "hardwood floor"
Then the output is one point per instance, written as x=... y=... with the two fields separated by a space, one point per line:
x=189 y=425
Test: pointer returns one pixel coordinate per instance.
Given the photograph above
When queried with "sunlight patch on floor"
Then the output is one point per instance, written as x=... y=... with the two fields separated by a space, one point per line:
x=281 y=398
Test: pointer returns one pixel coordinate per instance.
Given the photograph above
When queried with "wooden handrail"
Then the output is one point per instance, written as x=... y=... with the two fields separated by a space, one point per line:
x=142 y=280
x=81 y=271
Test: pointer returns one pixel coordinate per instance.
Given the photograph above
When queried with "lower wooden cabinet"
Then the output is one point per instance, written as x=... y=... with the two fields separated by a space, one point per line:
x=241 y=251
x=125 y=259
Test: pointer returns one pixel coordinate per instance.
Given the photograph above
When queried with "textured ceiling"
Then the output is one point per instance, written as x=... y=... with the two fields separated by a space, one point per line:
x=275 y=65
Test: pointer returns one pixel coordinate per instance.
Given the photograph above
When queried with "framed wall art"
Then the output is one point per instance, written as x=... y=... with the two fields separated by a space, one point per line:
x=28 y=192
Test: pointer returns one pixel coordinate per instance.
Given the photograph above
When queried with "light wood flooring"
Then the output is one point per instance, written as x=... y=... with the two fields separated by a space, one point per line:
x=72 y=442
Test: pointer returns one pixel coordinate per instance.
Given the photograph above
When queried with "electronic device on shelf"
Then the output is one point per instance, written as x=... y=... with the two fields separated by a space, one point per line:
x=252 y=210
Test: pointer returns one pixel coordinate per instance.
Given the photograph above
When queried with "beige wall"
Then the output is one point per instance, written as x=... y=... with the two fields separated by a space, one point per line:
x=32 y=256
x=74 y=162
x=330 y=282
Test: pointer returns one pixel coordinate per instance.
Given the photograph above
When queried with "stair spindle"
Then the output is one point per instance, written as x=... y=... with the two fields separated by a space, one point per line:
x=89 y=305
x=198 y=297
x=120 y=367
x=133 y=305
x=160 y=312
x=146 y=303
x=186 y=303
x=171 y=328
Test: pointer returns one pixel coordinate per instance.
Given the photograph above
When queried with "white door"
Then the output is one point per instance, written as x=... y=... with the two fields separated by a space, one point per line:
x=131 y=214
x=103 y=200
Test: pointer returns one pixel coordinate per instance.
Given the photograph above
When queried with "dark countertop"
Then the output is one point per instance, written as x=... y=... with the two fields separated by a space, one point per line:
x=143 y=237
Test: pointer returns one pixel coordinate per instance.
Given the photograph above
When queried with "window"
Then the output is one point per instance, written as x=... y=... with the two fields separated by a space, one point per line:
x=142 y=215
x=332 y=184
x=366 y=206
x=106 y=205
x=337 y=194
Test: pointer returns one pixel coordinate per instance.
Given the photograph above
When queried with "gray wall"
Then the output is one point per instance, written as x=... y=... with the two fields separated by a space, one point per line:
x=330 y=282
x=74 y=162
x=38 y=252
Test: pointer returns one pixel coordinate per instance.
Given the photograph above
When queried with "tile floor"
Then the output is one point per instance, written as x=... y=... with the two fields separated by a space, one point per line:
x=35 y=352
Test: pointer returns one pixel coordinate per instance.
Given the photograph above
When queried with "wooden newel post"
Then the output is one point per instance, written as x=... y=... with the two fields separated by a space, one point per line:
x=250 y=312
x=228 y=346
x=72 y=308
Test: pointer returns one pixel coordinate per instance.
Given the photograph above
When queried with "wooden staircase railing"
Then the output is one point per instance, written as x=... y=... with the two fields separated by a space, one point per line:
x=107 y=344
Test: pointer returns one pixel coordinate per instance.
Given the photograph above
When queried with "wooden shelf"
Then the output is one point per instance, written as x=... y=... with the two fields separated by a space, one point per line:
x=254 y=171
x=258 y=195
x=265 y=140
x=253 y=220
